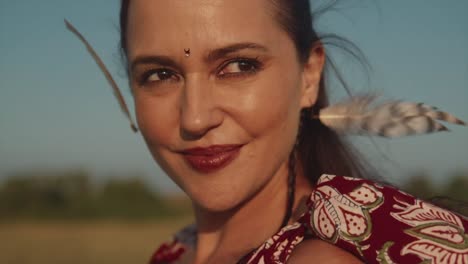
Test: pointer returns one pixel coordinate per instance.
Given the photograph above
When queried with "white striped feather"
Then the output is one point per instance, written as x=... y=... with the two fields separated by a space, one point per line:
x=364 y=115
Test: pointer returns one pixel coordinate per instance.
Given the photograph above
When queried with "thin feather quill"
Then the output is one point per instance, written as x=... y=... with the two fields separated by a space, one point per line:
x=118 y=95
x=364 y=115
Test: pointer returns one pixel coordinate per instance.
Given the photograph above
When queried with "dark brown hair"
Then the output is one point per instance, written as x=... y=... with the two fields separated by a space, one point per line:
x=320 y=150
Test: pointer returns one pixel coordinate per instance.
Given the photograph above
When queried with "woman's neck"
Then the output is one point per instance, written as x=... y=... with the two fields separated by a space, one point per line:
x=229 y=235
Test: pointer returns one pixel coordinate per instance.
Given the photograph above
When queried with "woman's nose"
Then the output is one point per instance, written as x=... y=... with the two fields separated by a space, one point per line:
x=199 y=112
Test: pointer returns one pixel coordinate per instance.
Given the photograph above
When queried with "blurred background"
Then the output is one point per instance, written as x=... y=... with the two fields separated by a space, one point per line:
x=77 y=186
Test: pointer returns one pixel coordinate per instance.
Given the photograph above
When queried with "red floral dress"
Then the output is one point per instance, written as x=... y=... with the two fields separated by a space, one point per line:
x=376 y=223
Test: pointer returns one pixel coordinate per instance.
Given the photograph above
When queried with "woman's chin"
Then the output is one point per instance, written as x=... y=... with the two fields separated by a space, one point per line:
x=216 y=203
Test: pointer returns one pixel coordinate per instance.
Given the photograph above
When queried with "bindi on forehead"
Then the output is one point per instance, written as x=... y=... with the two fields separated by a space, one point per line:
x=171 y=27
x=209 y=57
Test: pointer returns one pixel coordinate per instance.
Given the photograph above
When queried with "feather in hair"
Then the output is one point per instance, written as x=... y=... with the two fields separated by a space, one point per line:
x=105 y=71
x=364 y=115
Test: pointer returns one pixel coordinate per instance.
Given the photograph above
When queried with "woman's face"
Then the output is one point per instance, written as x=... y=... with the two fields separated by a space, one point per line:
x=223 y=120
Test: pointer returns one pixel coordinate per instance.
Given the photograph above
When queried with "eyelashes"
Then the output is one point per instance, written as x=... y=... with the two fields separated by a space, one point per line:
x=158 y=75
x=236 y=68
x=240 y=67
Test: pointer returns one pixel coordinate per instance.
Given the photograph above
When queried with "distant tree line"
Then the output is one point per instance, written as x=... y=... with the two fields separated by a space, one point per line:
x=72 y=195
x=452 y=195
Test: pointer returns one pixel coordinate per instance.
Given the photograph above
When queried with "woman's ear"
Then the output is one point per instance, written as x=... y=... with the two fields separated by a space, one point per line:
x=312 y=73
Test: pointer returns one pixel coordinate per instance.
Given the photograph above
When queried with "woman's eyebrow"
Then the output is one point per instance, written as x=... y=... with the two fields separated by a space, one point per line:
x=216 y=54
x=152 y=59
x=212 y=55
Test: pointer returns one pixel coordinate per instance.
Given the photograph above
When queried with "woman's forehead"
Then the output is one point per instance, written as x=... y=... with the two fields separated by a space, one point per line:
x=164 y=25
x=203 y=8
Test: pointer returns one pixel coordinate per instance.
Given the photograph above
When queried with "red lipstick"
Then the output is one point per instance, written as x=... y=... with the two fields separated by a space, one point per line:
x=211 y=158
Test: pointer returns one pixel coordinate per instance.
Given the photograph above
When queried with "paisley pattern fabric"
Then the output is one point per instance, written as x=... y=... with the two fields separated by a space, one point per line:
x=376 y=223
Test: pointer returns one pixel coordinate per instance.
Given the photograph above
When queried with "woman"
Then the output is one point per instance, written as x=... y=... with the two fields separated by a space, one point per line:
x=207 y=115
x=227 y=95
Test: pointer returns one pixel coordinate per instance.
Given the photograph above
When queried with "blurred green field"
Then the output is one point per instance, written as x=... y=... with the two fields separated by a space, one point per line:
x=86 y=242
x=63 y=217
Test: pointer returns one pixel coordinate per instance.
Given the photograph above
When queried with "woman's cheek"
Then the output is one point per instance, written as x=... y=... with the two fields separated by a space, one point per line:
x=268 y=106
x=158 y=133
x=156 y=121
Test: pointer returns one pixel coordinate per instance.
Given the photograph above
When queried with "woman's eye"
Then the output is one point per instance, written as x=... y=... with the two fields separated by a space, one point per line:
x=240 y=67
x=158 y=75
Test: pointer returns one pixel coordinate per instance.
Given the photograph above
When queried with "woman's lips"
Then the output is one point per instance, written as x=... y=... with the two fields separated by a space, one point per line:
x=211 y=158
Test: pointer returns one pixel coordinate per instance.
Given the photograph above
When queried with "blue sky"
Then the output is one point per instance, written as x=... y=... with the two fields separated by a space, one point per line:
x=57 y=111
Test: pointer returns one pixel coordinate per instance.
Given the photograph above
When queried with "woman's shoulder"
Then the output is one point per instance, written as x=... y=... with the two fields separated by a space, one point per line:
x=175 y=250
x=321 y=252
x=381 y=224
x=350 y=220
